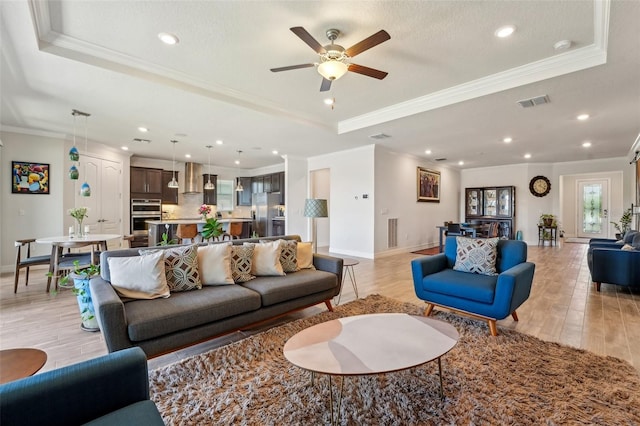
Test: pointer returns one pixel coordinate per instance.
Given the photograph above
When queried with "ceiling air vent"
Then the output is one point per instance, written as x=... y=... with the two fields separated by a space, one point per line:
x=379 y=136
x=538 y=100
x=141 y=140
x=441 y=159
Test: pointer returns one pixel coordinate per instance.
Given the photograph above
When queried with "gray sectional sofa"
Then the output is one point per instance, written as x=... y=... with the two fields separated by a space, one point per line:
x=159 y=326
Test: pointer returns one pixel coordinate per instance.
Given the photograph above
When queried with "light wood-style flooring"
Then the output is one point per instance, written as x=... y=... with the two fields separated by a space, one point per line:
x=564 y=307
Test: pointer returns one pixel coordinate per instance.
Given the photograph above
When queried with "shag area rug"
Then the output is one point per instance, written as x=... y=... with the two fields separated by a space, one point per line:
x=512 y=379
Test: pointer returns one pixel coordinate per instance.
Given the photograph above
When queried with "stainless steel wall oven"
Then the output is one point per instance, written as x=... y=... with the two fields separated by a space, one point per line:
x=141 y=211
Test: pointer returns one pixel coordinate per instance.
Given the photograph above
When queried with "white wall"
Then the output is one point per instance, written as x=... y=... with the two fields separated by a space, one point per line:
x=528 y=207
x=295 y=171
x=351 y=216
x=396 y=195
x=320 y=187
x=44 y=215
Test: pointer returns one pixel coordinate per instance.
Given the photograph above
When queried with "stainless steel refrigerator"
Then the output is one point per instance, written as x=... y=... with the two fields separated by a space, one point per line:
x=264 y=208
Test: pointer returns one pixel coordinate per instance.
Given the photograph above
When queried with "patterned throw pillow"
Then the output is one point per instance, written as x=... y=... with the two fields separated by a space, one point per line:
x=288 y=254
x=241 y=257
x=181 y=267
x=477 y=256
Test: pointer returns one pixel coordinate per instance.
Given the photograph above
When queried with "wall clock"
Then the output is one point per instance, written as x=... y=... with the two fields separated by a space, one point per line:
x=539 y=186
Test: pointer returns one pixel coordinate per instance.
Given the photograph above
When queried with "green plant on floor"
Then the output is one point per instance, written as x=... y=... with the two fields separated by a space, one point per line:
x=212 y=228
x=625 y=222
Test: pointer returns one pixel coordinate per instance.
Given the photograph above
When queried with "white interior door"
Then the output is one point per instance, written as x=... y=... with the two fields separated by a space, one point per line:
x=593 y=208
x=110 y=198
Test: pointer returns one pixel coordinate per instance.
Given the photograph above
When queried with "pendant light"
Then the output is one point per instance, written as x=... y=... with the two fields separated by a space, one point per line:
x=85 y=189
x=239 y=187
x=174 y=183
x=209 y=185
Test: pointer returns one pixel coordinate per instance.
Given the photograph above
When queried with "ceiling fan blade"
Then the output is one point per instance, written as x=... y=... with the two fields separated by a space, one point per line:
x=368 y=43
x=326 y=85
x=308 y=38
x=369 y=72
x=292 y=67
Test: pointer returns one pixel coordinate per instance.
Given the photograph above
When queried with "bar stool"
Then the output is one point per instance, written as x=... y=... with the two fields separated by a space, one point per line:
x=186 y=232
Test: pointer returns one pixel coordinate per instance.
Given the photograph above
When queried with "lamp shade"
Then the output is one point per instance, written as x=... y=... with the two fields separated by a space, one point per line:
x=332 y=69
x=315 y=207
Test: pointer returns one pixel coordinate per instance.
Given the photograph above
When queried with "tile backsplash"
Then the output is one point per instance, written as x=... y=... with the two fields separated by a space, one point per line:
x=188 y=205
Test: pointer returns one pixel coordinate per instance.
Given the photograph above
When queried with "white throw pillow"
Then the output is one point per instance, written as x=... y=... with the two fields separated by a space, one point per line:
x=627 y=247
x=214 y=261
x=139 y=277
x=305 y=256
x=477 y=256
x=266 y=259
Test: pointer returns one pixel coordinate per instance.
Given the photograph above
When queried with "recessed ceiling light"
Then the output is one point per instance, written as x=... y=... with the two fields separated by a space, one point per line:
x=143 y=129
x=167 y=38
x=188 y=155
x=274 y=152
x=428 y=152
x=527 y=156
x=125 y=148
x=507 y=140
x=583 y=117
x=329 y=101
x=237 y=161
x=586 y=144
x=505 y=31
x=219 y=142
x=562 y=45
x=460 y=163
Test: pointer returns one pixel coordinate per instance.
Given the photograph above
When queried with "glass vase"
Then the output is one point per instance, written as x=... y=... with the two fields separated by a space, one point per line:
x=79 y=228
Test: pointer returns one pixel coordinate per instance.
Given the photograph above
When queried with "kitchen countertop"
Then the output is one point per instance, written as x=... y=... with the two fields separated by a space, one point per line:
x=199 y=220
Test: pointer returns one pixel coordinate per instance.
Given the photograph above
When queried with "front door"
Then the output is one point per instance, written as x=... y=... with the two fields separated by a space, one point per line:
x=593 y=208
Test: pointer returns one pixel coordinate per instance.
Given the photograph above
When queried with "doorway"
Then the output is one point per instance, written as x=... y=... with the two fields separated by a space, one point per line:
x=593 y=208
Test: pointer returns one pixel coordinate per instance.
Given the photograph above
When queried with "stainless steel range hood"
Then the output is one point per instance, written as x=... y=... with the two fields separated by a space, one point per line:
x=192 y=178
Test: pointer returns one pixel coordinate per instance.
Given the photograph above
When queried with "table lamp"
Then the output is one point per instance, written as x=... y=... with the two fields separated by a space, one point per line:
x=314 y=208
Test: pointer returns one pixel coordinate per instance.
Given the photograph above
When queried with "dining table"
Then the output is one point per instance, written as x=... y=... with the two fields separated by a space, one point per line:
x=59 y=243
x=468 y=228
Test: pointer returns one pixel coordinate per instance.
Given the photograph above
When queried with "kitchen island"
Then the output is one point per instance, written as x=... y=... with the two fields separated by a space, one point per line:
x=158 y=227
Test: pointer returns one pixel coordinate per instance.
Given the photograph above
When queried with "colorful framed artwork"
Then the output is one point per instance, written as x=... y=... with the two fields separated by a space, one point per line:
x=29 y=177
x=428 y=185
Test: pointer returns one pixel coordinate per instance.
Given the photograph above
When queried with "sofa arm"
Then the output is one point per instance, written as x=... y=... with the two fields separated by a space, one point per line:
x=615 y=266
x=78 y=393
x=331 y=264
x=110 y=314
x=513 y=288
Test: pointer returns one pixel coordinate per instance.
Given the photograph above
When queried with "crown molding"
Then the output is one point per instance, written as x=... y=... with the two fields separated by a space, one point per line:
x=33 y=132
x=554 y=66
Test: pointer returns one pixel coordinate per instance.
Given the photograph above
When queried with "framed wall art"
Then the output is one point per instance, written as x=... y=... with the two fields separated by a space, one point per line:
x=29 y=178
x=428 y=185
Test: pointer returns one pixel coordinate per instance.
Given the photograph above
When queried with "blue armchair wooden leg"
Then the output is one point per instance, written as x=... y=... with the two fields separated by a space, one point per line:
x=428 y=309
x=493 y=327
x=514 y=316
x=598 y=286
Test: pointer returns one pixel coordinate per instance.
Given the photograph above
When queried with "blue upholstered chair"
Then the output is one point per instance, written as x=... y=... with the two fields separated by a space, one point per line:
x=608 y=263
x=109 y=390
x=489 y=297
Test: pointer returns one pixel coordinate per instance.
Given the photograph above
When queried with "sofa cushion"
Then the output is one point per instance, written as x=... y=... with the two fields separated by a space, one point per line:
x=139 y=277
x=214 y=261
x=275 y=290
x=181 y=268
x=241 y=258
x=266 y=259
x=150 y=319
x=304 y=255
x=476 y=256
x=139 y=413
x=288 y=254
x=463 y=285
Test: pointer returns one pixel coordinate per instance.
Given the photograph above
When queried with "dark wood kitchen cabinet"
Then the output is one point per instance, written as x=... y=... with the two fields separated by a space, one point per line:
x=169 y=195
x=243 y=198
x=210 y=196
x=145 y=183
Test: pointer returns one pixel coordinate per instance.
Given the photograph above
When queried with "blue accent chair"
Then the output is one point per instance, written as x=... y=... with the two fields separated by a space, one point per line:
x=487 y=297
x=109 y=390
x=608 y=263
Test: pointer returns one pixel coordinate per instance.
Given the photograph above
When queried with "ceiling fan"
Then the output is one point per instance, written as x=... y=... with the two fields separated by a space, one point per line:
x=334 y=58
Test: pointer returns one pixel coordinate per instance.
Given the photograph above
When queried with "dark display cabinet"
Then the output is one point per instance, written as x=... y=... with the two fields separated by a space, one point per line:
x=492 y=204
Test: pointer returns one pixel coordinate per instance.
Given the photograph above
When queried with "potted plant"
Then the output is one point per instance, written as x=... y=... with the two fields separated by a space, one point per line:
x=81 y=278
x=547 y=219
x=624 y=225
x=212 y=228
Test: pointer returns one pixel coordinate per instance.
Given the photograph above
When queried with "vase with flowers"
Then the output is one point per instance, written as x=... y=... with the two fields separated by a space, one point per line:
x=204 y=211
x=79 y=214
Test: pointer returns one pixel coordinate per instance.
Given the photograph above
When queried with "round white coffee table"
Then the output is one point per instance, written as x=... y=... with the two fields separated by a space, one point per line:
x=370 y=344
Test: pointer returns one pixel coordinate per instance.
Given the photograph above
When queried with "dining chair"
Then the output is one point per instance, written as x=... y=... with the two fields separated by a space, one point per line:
x=235 y=230
x=453 y=229
x=63 y=263
x=128 y=239
x=27 y=262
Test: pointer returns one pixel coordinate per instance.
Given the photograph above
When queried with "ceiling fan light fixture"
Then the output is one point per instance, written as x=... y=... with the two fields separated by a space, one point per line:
x=332 y=69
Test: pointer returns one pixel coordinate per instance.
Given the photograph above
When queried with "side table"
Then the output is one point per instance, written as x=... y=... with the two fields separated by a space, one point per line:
x=18 y=363
x=347 y=266
x=548 y=233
